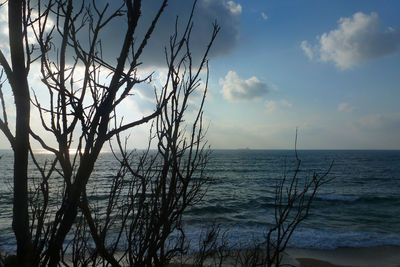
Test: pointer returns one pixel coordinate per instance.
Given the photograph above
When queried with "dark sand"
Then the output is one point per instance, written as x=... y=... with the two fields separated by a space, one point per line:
x=383 y=256
x=306 y=262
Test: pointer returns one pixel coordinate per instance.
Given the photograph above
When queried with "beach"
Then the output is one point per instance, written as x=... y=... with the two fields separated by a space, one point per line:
x=382 y=256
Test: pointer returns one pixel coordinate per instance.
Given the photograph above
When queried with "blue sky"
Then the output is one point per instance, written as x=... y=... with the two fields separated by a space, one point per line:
x=343 y=97
x=329 y=68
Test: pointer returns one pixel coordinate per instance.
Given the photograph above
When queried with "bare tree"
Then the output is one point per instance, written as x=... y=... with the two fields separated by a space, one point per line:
x=17 y=76
x=159 y=185
x=294 y=195
x=151 y=191
x=293 y=198
x=81 y=112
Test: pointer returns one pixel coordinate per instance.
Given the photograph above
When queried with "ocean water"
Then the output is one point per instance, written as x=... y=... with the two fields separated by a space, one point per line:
x=360 y=207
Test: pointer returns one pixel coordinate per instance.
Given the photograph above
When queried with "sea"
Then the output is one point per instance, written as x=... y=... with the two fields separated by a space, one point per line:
x=359 y=207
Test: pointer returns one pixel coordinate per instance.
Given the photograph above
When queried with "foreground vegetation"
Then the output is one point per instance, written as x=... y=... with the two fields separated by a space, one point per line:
x=151 y=191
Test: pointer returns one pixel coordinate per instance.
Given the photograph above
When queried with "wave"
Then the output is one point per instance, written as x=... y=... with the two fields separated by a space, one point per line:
x=391 y=200
x=325 y=239
x=245 y=237
x=210 y=209
x=337 y=197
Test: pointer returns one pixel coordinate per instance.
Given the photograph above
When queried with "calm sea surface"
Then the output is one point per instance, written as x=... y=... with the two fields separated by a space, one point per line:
x=360 y=207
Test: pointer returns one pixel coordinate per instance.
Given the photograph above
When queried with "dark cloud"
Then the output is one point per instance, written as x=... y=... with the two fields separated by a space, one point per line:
x=226 y=13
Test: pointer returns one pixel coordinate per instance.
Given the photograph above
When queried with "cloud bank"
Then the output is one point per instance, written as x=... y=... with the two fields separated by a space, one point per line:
x=345 y=107
x=235 y=88
x=225 y=13
x=271 y=106
x=356 y=39
x=385 y=123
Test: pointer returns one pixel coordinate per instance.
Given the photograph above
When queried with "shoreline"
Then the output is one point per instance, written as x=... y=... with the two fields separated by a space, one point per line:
x=379 y=256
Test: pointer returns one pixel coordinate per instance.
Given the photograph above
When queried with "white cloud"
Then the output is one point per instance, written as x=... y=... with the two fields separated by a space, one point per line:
x=307 y=49
x=345 y=107
x=285 y=103
x=357 y=39
x=264 y=16
x=271 y=105
x=235 y=8
x=4 y=13
x=4 y=46
x=4 y=34
x=389 y=123
x=235 y=89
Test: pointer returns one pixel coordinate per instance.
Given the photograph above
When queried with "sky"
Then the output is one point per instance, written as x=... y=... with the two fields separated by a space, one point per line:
x=330 y=69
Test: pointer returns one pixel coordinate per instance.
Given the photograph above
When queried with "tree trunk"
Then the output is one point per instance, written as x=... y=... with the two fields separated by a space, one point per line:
x=21 y=148
x=71 y=209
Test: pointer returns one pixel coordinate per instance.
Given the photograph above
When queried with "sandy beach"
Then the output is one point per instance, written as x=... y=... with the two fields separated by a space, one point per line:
x=383 y=256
